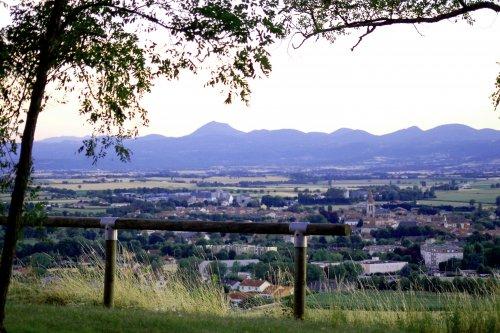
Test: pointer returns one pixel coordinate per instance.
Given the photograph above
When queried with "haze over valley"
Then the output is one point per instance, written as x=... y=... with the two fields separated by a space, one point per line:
x=219 y=145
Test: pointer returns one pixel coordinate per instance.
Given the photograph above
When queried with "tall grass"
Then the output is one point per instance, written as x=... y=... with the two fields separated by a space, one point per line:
x=412 y=311
x=136 y=285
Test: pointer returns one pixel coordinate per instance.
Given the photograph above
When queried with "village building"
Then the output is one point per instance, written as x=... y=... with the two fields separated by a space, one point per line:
x=377 y=266
x=434 y=254
x=370 y=206
x=243 y=200
x=240 y=249
x=251 y=285
x=249 y=288
x=370 y=266
x=203 y=266
x=372 y=249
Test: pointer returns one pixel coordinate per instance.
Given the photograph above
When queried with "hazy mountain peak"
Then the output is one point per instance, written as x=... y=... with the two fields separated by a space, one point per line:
x=348 y=131
x=215 y=128
x=216 y=144
x=153 y=137
x=453 y=126
x=343 y=130
x=58 y=139
x=411 y=129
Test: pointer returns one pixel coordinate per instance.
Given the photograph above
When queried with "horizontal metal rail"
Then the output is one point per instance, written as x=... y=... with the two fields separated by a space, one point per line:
x=196 y=226
x=299 y=230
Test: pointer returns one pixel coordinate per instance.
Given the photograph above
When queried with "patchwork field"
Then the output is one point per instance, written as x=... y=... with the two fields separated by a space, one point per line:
x=478 y=190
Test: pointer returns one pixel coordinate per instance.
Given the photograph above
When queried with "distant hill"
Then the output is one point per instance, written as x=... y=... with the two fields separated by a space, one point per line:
x=216 y=144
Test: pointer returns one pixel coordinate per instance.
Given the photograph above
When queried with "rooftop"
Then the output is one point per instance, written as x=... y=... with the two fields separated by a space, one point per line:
x=252 y=283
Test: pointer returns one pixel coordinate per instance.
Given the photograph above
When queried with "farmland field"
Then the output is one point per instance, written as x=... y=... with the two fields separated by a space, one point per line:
x=160 y=182
x=479 y=193
x=89 y=210
x=479 y=190
x=373 y=300
x=125 y=184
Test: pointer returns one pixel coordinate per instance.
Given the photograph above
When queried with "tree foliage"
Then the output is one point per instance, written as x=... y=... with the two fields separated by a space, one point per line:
x=107 y=55
x=330 y=19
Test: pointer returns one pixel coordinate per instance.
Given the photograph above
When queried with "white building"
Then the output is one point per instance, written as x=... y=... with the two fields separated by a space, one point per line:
x=351 y=223
x=224 y=198
x=372 y=249
x=370 y=266
x=374 y=266
x=203 y=266
x=242 y=248
x=250 y=285
x=434 y=254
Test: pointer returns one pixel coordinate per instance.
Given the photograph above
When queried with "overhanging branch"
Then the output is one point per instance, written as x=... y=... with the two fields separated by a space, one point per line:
x=385 y=21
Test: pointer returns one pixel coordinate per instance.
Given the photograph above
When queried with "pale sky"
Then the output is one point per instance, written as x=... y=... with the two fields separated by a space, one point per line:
x=395 y=79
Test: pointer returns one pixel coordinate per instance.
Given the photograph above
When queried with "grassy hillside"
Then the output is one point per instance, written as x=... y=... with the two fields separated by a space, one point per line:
x=46 y=308
x=69 y=300
x=51 y=318
x=86 y=318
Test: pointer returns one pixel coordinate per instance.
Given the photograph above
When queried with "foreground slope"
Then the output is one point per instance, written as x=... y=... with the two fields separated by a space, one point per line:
x=51 y=318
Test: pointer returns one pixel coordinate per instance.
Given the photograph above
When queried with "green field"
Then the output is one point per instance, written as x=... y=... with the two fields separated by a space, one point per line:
x=86 y=210
x=389 y=300
x=462 y=197
x=22 y=317
x=483 y=195
x=46 y=318
x=50 y=318
x=480 y=190
x=78 y=184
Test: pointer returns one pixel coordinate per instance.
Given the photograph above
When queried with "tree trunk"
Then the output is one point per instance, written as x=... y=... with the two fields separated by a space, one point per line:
x=23 y=170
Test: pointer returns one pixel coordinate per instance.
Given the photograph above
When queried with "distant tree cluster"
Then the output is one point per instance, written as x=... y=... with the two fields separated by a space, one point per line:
x=410 y=254
x=406 y=231
x=423 y=283
x=395 y=193
x=347 y=271
x=451 y=186
x=274 y=201
x=481 y=250
x=59 y=192
x=306 y=198
x=430 y=209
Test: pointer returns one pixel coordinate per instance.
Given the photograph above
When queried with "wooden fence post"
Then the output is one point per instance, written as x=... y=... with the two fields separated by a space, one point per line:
x=300 y=243
x=111 y=237
x=298 y=229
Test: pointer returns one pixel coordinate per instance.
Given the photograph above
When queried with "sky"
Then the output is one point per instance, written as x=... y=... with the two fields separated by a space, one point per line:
x=396 y=78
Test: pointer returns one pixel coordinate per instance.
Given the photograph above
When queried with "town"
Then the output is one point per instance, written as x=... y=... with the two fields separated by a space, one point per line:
x=405 y=231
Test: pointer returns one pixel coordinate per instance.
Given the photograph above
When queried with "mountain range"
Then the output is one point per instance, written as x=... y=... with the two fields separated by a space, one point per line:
x=217 y=144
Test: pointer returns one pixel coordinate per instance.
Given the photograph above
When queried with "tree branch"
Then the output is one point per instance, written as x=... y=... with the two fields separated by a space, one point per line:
x=76 y=11
x=385 y=21
x=369 y=30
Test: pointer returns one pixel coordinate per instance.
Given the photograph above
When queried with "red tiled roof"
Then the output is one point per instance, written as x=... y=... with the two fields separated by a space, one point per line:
x=252 y=283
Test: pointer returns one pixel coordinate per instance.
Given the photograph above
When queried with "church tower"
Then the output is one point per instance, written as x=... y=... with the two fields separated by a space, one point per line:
x=370 y=205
